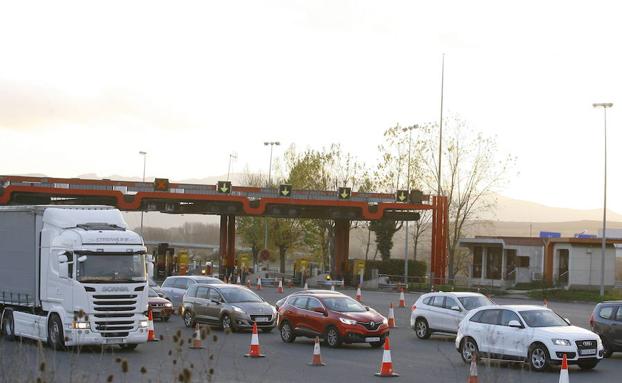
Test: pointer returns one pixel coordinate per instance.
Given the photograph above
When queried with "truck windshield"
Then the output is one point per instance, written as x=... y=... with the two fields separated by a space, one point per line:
x=112 y=267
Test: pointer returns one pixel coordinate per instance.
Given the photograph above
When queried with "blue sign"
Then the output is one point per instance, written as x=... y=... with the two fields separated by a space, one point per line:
x=550 y=234
x=582 y=235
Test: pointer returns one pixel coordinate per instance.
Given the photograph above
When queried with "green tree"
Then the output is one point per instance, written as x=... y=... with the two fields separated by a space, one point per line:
x=384 y=230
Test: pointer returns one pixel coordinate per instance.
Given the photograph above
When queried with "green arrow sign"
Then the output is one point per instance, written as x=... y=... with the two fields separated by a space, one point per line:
x=224 y=186
x=401 y=196
x=344 y=193
x=285 y=190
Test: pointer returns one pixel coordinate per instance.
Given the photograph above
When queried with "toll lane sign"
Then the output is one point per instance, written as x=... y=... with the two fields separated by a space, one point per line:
x=285 y=190
x=344 y=193
x=401 y=196
x=224 y=187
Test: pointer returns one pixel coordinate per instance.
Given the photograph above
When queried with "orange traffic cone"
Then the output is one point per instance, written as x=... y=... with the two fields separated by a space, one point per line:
x=254 y=351
x=563 y=373
x=197 y=343
x=259 y=283
x=358 y=294
x=151 y=330
x=306 y=286
x=546 y=303
x=280 y=288
x=473 y=370
x=386 y=368
x=239 y=281
x=392 y=323
x=402 y=298
x=332 y=287
x=248 y=283
x=317 y=358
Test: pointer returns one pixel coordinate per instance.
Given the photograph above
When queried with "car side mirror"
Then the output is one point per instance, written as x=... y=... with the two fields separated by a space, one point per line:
x=367 y=308
x=567 y=321
x=515 y=324
x=456 y=308
x=63 y=266
x=216 y=301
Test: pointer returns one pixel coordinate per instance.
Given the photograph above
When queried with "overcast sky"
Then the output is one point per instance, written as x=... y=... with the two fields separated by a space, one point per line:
x=83 y=88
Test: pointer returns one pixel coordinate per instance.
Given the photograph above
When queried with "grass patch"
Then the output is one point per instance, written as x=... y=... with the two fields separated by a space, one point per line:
x=576 y=295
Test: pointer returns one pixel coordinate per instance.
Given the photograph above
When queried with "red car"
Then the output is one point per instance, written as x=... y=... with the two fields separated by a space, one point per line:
x=160 y=307
x=336 y=318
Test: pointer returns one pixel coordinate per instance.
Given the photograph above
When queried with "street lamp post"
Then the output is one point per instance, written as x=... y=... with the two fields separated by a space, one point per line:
x=144 y=154
x=409 y=130
x=603 y=249
x=265 y=221
x=231 y=156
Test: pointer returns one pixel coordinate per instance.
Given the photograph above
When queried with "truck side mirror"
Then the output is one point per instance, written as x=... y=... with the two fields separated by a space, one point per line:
x=63 y=266
x=82 y=258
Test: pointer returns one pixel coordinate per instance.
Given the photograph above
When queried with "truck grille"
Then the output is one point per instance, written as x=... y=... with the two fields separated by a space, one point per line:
x=114 y=314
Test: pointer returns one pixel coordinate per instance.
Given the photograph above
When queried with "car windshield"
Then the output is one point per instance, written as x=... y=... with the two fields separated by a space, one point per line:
x=239 y=295
x=542 y=318
x=209 y=281
x=343 y=305
x=112 y=268
x=152 y=293
x=474 y=302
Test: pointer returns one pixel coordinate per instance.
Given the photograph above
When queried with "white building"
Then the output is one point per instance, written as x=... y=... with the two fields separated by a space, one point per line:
x=567 y=262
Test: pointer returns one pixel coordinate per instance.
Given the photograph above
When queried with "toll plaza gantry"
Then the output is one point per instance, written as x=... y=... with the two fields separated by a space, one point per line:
x=229 y=201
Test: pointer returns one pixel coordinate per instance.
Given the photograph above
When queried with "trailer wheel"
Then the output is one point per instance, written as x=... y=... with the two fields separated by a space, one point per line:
x=56 y=338
x=8 y=325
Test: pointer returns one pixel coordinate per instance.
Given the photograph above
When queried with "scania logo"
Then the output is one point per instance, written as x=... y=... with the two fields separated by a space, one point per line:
x=587 y=342
x=110 y=289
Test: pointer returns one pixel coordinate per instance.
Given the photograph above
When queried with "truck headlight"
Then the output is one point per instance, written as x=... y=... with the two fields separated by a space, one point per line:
x=561 y=342
x=347 y=321
x=144 y=323
x=169 y=304
x=81 y=325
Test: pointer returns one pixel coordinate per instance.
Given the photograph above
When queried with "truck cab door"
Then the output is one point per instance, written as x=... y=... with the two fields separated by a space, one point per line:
x=60 y=283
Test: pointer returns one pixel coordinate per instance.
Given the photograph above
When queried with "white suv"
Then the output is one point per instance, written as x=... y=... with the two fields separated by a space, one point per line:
x=526 y=333
x=442 y=312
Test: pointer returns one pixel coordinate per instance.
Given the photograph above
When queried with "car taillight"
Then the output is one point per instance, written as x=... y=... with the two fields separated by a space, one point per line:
x=414 y=307
x=592 y=320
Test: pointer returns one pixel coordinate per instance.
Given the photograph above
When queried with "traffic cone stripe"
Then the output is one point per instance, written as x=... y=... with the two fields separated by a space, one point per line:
x=402 y=298
x=358 y=294
x=317 y=358
x=280 y=289
x=563 y=373
x=196 y=339
x=386 y=368
x=391 y=318
x=254 y=350
x=151 y=329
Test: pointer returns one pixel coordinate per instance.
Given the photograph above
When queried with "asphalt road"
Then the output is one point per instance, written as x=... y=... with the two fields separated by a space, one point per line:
x=432 y=360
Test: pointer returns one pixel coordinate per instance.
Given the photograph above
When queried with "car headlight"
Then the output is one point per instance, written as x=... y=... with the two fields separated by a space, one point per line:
x=169 y=304
x=561 y=342
x=347 y=321
x=385 y=321
x=81 y=325
x=237 y=309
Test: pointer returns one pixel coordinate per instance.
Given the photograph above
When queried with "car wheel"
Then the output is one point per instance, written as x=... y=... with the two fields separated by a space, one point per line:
x=226 y=322
x=128 y=347
x=588 y=364
x=468 y=349
x=422 y=329
x=607 y=352
x=539 y=359
x=8 y=326
x=188 y=318
x=56 y=339
x=287 y=334
x=333 y=339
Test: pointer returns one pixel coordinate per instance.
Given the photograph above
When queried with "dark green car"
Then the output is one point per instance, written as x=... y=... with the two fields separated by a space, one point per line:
x=227 y=306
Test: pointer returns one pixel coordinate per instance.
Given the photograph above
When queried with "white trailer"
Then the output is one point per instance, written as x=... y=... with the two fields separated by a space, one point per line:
x=72 y=275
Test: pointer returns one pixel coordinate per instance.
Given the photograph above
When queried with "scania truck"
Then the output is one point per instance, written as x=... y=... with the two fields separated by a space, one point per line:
x=72 y=275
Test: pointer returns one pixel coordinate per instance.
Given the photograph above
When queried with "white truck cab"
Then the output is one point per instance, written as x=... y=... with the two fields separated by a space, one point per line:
x=78 y=276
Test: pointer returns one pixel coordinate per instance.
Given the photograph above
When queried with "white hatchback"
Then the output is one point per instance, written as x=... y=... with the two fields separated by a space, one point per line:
x=534 y=334
x=442 y=312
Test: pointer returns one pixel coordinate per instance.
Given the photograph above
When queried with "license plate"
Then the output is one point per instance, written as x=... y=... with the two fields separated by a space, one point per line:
x=113 y=340
x=262 y=319
x=587 y=351
x=372 y=339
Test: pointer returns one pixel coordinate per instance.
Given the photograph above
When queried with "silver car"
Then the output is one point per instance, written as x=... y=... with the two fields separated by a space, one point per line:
x=442 y=312
x=176 y=286
x=227 y=306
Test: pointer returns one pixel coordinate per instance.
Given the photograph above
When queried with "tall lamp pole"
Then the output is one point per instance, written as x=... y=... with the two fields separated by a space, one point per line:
x=233 y=156
x=409 y=130
x=144 y=154
x=603 y=249
x=265 y=221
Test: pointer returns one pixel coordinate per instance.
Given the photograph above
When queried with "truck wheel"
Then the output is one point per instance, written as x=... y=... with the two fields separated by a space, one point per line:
x=8 y=326
x=56 y=337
